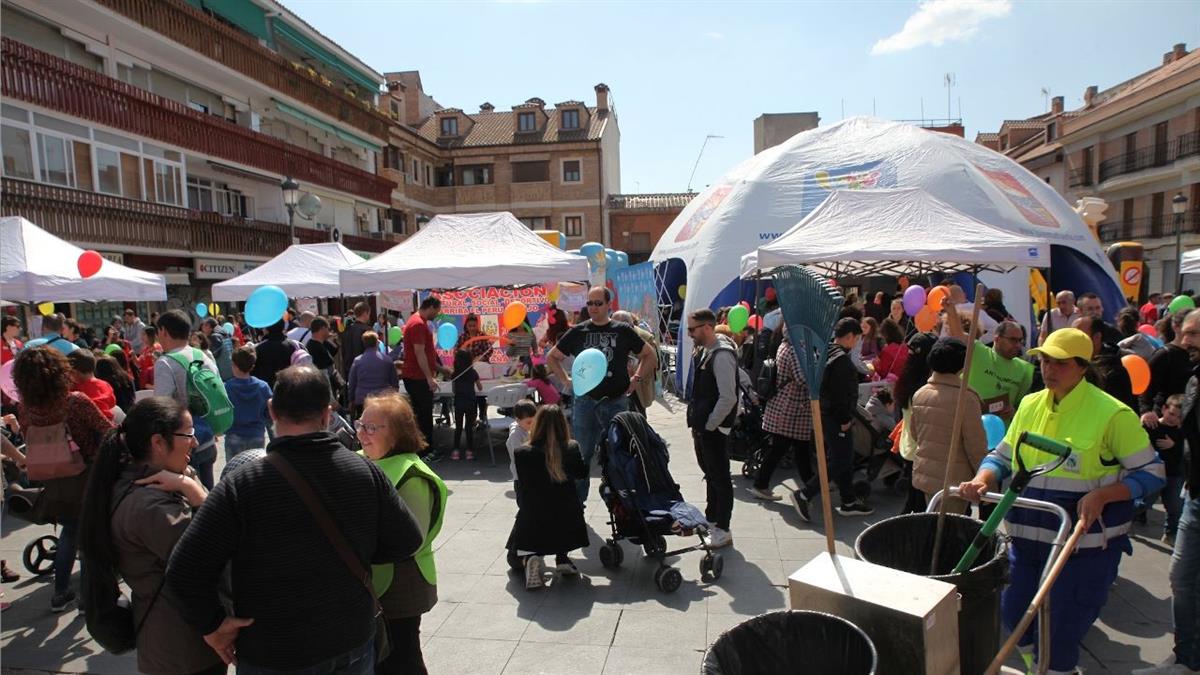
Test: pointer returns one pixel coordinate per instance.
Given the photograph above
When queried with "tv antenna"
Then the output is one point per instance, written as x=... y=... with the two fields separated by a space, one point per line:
x=697 y=164
x=950 y=81
x=1046 y=97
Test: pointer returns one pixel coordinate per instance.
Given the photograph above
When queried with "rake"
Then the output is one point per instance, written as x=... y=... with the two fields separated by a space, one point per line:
x=810 y=307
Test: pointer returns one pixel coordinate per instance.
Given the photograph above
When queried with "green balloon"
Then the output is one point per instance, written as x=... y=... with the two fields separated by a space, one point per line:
x=112 y=349
x=394 y=335
x=1181 y=303
x=738 y=316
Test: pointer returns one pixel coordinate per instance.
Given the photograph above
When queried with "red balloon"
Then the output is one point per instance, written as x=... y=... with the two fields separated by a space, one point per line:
x=755 y=322
x=769 y=294
x=746 y=305
x=89 y=263
x=1148 y=330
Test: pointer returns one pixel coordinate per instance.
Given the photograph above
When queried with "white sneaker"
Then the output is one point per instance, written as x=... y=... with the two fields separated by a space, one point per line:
x=718 y=538
x=767 y=495
x=1167 y=666
x=533 y=573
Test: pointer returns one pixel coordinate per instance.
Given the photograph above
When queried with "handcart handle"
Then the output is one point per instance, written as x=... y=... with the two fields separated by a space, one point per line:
x=1064 y=520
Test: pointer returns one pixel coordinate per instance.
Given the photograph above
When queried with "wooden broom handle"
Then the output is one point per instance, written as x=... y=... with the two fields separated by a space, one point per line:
x=823 y=473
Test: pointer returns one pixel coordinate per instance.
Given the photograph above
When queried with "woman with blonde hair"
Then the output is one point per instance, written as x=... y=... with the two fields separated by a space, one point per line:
x=391 y=439
x=549 y=515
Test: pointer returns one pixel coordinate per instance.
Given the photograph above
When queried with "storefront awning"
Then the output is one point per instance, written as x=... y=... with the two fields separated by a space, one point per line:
x=283 y=30
x=321 y=124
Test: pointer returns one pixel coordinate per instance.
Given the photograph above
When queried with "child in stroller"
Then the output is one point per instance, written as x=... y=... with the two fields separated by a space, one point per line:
x=748 y=443
x=644 y=503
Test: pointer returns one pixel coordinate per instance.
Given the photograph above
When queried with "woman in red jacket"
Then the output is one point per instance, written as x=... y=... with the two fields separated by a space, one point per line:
x=894 y=353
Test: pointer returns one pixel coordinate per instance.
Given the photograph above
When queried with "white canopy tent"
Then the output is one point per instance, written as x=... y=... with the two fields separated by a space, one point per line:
x=893 y=232
x=1191 y=262
x=36 y=266
x=465 y=251
x=302 y=271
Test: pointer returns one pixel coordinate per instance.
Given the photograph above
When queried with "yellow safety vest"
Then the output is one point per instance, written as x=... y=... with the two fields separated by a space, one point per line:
x=399 y=468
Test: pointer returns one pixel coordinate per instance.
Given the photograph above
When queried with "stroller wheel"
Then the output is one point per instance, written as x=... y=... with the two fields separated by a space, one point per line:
x=611 y=555
x=711 y=567
x=514 y=562
x=39 y=555
x=668 y=579
x=862 y=489
x=748 y=469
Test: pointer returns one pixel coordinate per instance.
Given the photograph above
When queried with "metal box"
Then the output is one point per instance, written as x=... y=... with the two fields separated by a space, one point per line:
x=912 y=620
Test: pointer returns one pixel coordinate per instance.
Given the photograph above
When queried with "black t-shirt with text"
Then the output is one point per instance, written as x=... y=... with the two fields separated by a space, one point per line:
x=616 y=340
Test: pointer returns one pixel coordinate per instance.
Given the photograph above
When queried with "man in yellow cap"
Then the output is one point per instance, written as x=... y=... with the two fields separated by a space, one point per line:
x=1111 y=464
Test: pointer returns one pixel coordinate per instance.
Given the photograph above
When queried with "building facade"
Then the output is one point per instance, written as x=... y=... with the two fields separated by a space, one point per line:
x=771 y=129
x=639 y=220
x=158 y=132
x=552 y=167
x=1135 y=145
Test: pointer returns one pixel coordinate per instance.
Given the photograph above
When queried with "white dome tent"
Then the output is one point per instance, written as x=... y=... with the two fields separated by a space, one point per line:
x=768 y=194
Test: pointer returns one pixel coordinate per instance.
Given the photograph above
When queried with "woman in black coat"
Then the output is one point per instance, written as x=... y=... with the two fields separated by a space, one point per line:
x=549 y=515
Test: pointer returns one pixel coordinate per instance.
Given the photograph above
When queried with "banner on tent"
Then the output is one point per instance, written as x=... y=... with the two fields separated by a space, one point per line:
x=396 y=301
x=488 y=302
x=572 y=297
x=636 y=292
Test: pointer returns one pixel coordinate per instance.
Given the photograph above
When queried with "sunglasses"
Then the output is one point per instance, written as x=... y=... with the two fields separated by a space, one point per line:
x=692 y=329
x=367 y=427
x=597 y=303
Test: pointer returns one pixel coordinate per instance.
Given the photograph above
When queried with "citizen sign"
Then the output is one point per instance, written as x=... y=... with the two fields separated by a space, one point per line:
x=208 y=268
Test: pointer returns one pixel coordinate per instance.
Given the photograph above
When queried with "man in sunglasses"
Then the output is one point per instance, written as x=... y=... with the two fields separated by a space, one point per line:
x=712 y=409
x=617 y=341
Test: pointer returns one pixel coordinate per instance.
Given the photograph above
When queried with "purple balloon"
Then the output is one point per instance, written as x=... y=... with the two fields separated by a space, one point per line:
x=914 y=299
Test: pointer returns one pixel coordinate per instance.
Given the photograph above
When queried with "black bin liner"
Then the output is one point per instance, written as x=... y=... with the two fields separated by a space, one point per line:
x=791 y=642
x=906 y=543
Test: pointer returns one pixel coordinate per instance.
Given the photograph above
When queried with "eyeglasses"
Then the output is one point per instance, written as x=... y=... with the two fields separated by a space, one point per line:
x=367 y=427
x=191 y=434
x=597 y=303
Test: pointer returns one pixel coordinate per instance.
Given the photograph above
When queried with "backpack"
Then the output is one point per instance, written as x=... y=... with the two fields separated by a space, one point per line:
x=205 y=392
x=50 y=453
x=300 y=355
x=768 y=380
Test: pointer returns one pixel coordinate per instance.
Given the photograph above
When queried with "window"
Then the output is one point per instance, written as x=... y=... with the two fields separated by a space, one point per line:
x=399 y=221
x=640 y=242
x=449 y=126
x=535 y=222
x=415 y=176
x=570 y=119
x=571 y=171
x=57 y=161
x=429 y=175
x=18 y=153
x=131 y=176
x=573 y=226
x=207 y=195
x=530 y=172
x=166 y=183
x=108 y=171
x=393 y=158
x=526 y=122
x=395 y=106
x=445 y=176
x=477 y=175
x=1051 y=131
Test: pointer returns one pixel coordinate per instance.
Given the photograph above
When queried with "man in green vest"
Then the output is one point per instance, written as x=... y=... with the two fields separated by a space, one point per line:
x=998 y=373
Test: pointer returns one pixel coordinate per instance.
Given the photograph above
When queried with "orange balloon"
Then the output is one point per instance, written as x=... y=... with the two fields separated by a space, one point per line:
x=934 y=299
x=926 y=319
x=1139 y=372
x=514 y=314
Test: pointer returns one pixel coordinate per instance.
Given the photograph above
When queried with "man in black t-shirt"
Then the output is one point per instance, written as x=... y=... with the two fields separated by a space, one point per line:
x=618 y=341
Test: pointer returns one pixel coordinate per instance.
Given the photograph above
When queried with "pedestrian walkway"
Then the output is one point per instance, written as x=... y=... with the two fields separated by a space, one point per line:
x=604 y=621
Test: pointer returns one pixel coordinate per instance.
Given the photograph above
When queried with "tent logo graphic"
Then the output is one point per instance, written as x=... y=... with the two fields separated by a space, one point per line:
x=1024 y=201
x=694 y=224
x=1033 y=252
x=821 y=182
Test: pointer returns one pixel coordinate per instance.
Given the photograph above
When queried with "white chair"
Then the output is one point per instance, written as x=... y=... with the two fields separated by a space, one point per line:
x=504 y=396
x=141 y=394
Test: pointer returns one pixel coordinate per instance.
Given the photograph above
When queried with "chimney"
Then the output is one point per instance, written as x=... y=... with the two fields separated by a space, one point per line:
x=602 y=97
x=486 y=108
x=1179 y=50
x=536 y=101
x=1089 y=95
x=1168 y=57
x=1056 y=105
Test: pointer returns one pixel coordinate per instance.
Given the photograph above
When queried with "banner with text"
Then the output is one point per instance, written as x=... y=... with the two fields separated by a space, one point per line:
x=637 y=293
x=488 y=303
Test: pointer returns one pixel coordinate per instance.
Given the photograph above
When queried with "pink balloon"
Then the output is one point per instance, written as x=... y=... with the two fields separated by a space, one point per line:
x=6 y=381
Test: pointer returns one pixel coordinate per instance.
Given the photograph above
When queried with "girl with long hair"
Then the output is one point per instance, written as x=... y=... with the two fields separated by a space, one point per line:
x=141 y=497
x=549 y=515
x=914 y=376
x=110 y=370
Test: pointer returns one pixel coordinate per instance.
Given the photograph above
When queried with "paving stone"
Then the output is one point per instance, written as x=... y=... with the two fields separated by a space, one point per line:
x=658 y=660
x=533 y=658
x=467 y=656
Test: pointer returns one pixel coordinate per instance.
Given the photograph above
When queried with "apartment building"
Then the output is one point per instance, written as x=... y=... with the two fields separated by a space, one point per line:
x=158 y=132
x=1135 y=145
x=553 y=167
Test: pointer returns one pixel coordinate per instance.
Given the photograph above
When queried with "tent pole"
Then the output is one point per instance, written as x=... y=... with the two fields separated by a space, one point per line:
x=758 y=346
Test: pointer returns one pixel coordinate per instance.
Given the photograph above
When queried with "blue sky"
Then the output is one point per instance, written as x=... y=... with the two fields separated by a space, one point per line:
x=679 y=71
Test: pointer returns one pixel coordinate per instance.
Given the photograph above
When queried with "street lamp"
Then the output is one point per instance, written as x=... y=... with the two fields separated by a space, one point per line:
x=291 y=197
x=1179 y=207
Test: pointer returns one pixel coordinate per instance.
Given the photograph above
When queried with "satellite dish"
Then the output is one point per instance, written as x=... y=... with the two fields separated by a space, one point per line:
x=309 y=206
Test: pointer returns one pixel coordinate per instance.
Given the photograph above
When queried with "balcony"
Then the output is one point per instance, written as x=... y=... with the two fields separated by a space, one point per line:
x=1080 y=177
x=42 y=79
x=1148 y=227
x=1151 y=156
x=88 y=217
x=350 y=241
x=192 y=28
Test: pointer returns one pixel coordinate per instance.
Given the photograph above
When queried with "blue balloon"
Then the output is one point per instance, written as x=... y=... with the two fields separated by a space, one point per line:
x=447 y=336
x=228 y=328
x=265 y=306
x=201 y=310
x=589 y=370
x=994 y=428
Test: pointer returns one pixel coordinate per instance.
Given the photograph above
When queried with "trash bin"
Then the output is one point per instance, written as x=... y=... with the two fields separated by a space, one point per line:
x=906 y=543
x=791 y=642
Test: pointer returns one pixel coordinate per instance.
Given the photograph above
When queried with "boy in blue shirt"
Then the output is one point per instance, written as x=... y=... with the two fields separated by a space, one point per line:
x=249 y=396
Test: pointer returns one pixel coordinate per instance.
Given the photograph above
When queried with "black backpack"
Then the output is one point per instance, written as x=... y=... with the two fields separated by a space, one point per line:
x=768 y=380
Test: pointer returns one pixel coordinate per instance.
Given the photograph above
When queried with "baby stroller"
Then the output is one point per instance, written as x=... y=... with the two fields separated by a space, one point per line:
x=644 y=503
x=748 y=443
x=22 y=500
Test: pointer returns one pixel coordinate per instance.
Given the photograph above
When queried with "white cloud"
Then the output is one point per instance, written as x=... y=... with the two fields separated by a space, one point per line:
x=937 y=22
x=714 y=35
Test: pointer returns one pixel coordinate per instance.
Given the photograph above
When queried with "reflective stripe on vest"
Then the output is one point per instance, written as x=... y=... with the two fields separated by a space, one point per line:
x=399 y=468
x=1046 y=536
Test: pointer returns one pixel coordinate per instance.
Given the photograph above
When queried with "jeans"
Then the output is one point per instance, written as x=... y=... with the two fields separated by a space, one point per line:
x=237 y=444
x=203 y=457
x=404 y=636
x=64 y=556
x=421 y=397
x=1172 y=498
x=589 y=421
x=712 y=454
x=1185 y=586
x=839 y=449
x=357 y=661
x=801 y=454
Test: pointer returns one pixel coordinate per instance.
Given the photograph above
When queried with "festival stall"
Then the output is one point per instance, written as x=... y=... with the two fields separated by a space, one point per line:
x=36 y=266
x=302 y=271
x=1191 y=263
x=768 y=194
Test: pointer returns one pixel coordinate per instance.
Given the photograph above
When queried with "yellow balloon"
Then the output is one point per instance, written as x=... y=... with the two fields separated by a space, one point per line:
x=682 y=291
x=214 y=309
x=45 y=308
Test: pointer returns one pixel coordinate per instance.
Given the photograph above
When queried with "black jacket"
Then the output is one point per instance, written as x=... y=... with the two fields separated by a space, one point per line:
x=352 y=344
x=1191 y=428
x=706 y=388
x=549 y=516
x=1170 y=369
x=286 y=574
x=1113 y=378
x=839 y=386
x=272 y=355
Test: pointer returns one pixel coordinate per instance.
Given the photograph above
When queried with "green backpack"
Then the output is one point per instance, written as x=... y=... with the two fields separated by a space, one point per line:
x=206 y=392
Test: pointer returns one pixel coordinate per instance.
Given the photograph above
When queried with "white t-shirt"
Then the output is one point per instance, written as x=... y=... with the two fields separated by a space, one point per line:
x=517 y=437
x=300 y=334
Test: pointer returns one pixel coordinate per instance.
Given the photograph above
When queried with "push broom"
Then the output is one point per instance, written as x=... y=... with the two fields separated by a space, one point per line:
x=810 y=307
